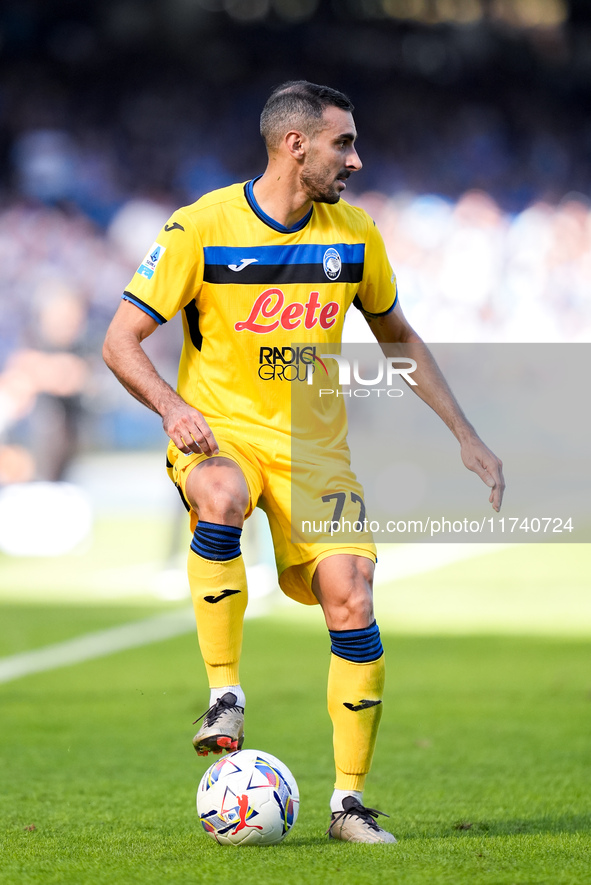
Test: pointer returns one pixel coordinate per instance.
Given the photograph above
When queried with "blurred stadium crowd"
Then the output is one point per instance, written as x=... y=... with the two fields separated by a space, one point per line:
x=473 y=131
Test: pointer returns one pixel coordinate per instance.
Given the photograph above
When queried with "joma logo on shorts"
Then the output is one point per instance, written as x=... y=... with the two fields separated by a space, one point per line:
x=271 y=303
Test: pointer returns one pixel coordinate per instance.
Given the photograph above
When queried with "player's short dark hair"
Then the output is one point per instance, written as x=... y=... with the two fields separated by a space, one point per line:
x=298 y=104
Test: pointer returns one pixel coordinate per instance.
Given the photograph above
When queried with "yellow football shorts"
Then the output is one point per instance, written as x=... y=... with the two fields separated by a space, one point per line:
x=319 y=489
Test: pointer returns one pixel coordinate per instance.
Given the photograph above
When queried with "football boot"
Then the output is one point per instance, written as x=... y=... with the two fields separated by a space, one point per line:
x=222 y=728
x=355 y=823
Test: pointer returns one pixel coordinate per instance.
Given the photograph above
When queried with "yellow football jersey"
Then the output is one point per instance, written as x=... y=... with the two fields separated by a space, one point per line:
x=259 y=301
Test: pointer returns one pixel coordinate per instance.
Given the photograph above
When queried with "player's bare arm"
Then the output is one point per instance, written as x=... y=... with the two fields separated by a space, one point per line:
x=125 y=356
x=433 y=389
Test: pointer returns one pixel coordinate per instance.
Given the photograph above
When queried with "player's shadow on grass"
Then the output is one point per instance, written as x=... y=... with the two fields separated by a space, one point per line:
x=568 y=823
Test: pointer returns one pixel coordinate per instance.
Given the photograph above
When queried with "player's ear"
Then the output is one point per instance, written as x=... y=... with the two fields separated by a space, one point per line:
x=296 y=143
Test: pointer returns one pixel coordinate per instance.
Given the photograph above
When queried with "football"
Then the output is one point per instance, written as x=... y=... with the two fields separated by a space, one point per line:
x=248 y=798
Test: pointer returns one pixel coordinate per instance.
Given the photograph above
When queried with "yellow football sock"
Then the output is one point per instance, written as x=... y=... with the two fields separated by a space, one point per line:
x=219 y=594
x=355 y=707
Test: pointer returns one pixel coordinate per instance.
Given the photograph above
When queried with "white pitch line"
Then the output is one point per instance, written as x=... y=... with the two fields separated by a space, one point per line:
x=401 y=562
x=98 y=645
x=107 y=642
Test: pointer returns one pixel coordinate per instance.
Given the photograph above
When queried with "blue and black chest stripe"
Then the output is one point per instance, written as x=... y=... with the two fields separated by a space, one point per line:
x=282 y=265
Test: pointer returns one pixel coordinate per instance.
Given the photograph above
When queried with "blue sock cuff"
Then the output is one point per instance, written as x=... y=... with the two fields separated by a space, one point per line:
x=359 y=646
x=216 y=542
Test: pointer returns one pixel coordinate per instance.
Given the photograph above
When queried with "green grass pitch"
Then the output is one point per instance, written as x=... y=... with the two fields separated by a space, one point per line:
x=483 y=759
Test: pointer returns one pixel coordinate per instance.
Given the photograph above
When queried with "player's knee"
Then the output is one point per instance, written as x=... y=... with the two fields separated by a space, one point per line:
x=218 y=494
x=356 y=606
x=223 y=505
x=344 y=588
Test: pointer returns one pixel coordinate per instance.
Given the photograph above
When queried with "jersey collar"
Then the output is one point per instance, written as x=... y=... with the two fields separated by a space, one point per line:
x=249 y=194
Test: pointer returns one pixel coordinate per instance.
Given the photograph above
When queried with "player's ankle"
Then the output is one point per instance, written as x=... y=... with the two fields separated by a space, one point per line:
x=336 y=800
x=216 y=693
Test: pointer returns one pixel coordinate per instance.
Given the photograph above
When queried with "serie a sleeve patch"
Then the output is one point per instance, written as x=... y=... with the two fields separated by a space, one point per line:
x=148 y=266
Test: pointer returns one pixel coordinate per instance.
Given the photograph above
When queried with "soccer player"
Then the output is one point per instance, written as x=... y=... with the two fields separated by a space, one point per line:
x=254 y=268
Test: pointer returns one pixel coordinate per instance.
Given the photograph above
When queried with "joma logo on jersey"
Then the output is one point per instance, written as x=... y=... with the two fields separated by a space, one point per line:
x=286 y=363
x=271 y=304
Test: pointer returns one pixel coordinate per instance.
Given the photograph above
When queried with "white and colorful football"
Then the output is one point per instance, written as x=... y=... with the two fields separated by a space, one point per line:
x=248 y=798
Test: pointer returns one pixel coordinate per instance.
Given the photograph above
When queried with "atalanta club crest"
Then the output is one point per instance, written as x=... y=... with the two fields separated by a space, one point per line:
x=332 y=263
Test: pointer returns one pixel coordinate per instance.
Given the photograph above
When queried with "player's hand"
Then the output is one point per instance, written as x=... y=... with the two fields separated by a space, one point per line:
x=479 y=458
x=189 y=430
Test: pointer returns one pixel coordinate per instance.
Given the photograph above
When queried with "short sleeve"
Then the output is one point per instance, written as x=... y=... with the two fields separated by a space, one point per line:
x=171 y=273
x=378 y=292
